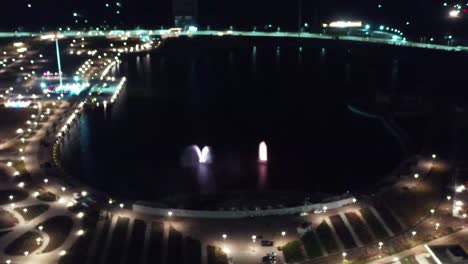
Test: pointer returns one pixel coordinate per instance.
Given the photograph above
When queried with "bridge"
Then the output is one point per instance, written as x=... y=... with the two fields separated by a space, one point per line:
x=226 y=33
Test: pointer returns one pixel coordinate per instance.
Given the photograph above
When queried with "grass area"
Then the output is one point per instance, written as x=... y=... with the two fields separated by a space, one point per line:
x=7 y=219
x=80 y=249
x=311 y=245
x=33 y=211
x=58 y=228
x=342 y=231
x=292 y=252
x=388 y=217
x=18 y=195
x=325 y=234
x=359 y=227
x=413 y=203
x=4 y=174
x=215 y=255
x=26 y=242
x=156 y=242
x=373 y=223
x=137 y=238
x=101 y=240
x=117 y=243
x=13 y=118
x=20 y=166
x=174 y=247
x=2 y=233
x=47 y=197
x=193 y=250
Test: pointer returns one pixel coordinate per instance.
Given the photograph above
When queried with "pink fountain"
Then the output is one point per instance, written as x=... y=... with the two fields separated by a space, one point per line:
x=262 y=152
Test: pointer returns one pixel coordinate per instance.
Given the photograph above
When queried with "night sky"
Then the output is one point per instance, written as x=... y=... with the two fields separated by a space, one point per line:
x=426 y=16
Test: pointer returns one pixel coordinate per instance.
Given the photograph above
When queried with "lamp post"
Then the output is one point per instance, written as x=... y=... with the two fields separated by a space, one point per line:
x=59 y=63
x=299 y=16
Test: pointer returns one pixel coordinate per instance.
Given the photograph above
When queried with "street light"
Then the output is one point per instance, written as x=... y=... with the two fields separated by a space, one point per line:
x=432 y=211
x=416 y=175
x=254 y=237
x=437 y=226
x=413 y=233
x=454 y=13
x=283 y=233
x=169 y=213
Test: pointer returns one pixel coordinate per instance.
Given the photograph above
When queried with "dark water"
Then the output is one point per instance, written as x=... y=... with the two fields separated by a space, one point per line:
x=231 y=95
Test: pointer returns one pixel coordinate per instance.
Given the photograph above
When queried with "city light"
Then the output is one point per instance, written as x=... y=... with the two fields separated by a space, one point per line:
x=460 y=188
x=345 y=24
x=17 y=104
x=454 y=13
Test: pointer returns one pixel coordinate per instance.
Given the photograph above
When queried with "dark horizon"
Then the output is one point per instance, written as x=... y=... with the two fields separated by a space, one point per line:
x=426 y=18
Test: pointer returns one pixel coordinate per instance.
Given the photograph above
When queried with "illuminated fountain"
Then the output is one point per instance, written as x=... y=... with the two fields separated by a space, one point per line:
x=262 y=166
x=262 y=152
x=204 y=156
x=194 y=156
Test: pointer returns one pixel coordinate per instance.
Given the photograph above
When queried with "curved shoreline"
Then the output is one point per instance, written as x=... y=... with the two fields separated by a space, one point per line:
x=141 y=205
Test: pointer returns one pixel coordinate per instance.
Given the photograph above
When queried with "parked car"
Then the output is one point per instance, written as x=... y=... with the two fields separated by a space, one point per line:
x=269 y=258
x=267 y=243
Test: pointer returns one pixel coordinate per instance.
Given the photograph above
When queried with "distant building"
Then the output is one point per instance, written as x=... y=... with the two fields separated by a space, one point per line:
x=448 y=254
x=185 y=12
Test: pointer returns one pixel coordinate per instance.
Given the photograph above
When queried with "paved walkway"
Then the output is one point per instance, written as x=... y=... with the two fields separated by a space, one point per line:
x=453 y=238
x=32 y=165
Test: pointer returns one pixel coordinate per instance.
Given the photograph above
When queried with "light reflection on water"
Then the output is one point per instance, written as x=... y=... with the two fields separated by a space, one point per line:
x=288 y=97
